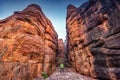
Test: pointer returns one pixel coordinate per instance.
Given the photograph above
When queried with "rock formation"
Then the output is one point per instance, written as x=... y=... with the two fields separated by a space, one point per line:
x=61 y=48
x=60 y=53
x=93 y=38
x=28 y=45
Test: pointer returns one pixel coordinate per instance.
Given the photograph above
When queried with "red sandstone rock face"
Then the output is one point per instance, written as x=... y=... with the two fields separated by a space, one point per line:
x=93 y=38
x=60 y=58
x=61 y=48
x=28 y=45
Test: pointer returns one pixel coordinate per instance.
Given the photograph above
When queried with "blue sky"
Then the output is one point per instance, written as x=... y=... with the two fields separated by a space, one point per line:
x=55 y=10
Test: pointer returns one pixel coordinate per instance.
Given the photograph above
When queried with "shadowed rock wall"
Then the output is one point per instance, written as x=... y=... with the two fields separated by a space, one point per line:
x=93 y=38
x=61 y=48
x=60 y=58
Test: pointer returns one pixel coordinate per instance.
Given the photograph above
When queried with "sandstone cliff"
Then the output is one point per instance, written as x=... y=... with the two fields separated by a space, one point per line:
x=28 y=45
x=60 y=58
x=93 y=38
x=61 y=48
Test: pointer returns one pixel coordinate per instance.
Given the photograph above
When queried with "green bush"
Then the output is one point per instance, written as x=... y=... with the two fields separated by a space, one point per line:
x=44 y=75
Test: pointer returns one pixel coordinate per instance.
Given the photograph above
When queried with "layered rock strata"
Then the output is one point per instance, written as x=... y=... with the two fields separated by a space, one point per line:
x=28 y=45
x=60 y=58
x=93 y=38
x=61 y=48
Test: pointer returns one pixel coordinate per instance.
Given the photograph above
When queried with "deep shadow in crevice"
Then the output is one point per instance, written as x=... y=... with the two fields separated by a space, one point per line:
x=104 y=66
x=100 y=65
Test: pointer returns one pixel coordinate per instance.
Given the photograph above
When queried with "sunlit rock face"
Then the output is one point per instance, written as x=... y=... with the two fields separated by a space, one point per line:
x=93 y=38
x=28 y=45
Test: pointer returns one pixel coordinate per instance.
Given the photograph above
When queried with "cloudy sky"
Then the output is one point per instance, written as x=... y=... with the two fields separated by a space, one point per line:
x=55 y=10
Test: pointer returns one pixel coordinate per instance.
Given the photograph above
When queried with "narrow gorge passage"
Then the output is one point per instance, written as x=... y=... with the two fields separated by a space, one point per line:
x=68 y=74
x=29 y=44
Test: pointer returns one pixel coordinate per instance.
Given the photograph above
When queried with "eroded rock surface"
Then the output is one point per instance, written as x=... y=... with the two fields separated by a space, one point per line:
x=28 y=45
x=61 y=57
x=61 y=48
x=93 y=38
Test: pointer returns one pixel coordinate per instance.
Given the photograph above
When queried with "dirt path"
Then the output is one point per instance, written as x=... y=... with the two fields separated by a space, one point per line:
x=68 y=74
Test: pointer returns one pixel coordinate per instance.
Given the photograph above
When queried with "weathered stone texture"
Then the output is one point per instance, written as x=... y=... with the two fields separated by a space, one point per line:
x=61 y=57
x=28 y=45
x=61 y=48
x=93 y=38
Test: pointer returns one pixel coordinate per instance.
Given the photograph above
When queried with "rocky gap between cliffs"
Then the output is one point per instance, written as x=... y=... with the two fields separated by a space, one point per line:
x=30 y=44
x=61 y=55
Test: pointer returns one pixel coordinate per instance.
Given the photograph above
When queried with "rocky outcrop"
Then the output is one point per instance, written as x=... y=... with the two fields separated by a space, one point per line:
x=61 y=48
x=60 y=58
x=28 y=45
x=93 y=38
